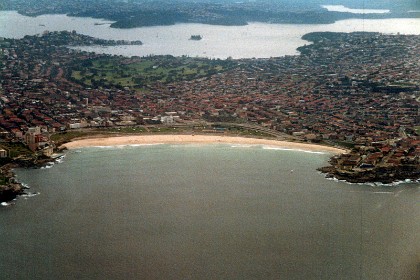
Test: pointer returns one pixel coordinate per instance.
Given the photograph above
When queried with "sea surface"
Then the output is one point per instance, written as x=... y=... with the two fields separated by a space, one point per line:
x=206 y=212
x=259 y=40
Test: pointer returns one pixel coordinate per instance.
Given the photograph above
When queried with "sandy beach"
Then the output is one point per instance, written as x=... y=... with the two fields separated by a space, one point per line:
x=194 y=139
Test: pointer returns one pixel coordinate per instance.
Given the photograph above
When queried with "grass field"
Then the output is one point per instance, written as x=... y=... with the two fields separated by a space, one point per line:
x=64 y=137
x=137 y=73
x=16 y=149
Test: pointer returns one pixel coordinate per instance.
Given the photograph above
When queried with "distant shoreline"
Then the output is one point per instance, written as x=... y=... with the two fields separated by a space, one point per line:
x=194 y=139
x=322 y=14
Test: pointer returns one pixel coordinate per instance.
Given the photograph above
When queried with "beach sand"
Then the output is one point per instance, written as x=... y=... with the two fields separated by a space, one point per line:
x=195 y=139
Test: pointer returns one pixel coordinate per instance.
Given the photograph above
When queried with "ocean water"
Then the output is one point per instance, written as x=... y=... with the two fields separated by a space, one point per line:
x=259 y=40
x=206 y=212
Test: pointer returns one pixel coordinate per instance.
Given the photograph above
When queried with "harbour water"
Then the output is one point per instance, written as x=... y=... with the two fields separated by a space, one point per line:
x=206 y=212
x=344 y=9
x=259 y=40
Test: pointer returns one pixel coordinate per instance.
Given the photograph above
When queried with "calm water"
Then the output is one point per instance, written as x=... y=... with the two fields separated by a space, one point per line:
x=257 y=40
x=344 y=9
x=206 y=212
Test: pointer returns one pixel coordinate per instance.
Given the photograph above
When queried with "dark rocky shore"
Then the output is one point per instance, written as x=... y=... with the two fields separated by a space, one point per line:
x=10 y=188
x=384 y=175
x=377 y=174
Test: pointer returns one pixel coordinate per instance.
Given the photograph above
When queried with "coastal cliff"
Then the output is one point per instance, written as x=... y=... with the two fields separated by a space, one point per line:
x=10 y=192
x=9 y=187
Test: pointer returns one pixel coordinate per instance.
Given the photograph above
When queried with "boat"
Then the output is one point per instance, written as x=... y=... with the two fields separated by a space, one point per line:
x=196 y=37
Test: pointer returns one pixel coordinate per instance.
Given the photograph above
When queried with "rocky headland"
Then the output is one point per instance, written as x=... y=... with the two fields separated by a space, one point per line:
x=10 y=188
x=384 y=163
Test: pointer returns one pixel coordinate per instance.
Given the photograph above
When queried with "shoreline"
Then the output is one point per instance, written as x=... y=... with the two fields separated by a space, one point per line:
x=194 y=139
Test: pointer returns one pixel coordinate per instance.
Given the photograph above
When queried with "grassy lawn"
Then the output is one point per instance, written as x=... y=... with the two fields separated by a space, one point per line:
x=67 y=136
x=249 y=132
x=168 y=129
x=123 y=130
x=136 y=73
x=3 y=180
x=16 y=149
